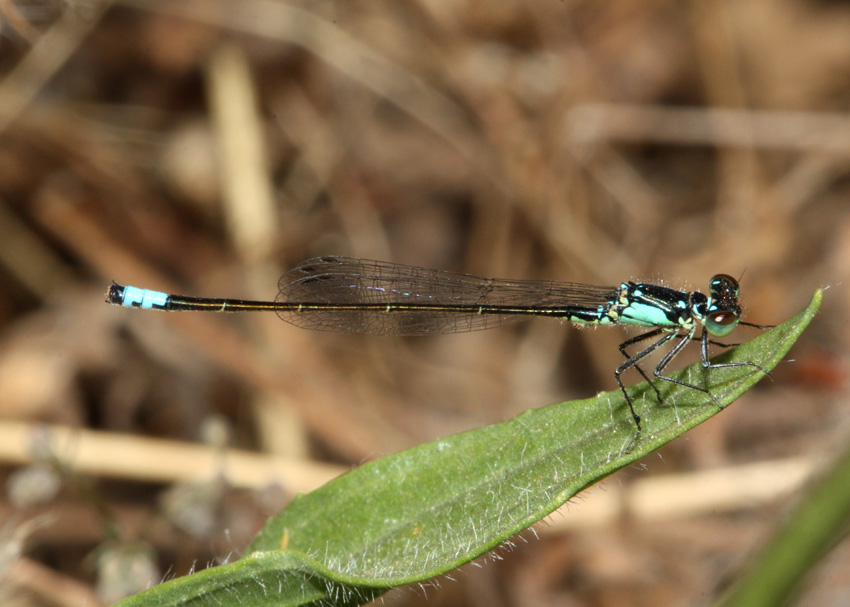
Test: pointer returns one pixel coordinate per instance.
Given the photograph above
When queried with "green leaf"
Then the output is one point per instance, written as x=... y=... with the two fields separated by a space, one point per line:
x=417 y=514
x=280 y=578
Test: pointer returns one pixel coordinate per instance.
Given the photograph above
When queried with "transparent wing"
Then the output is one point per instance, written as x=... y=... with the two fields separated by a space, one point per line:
x=443 y=302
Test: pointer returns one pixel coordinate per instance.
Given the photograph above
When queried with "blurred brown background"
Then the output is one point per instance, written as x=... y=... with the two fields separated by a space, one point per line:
x=205 y=147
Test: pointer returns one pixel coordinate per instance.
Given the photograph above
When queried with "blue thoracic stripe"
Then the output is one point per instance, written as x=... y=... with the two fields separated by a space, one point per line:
x=645 y=315
x=143 y=298
x=648 y=305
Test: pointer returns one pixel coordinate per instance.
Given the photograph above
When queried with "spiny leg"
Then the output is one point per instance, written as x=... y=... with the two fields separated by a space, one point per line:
x=719 y=344
x=684 y=339
x=632 y=362
x=637 y=339
x=707 y=364
x=749 y=324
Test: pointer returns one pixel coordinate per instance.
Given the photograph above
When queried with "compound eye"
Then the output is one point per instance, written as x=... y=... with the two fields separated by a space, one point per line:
x=721 y=323
x=723 y=285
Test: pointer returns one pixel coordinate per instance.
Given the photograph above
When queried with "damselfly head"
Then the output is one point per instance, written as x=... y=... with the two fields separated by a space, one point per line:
x=723 y=311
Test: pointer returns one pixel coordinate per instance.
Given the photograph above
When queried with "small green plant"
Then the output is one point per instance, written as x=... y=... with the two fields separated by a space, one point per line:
x=418 y=514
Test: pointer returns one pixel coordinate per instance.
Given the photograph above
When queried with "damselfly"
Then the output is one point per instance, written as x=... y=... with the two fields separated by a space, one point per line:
x=381 y=298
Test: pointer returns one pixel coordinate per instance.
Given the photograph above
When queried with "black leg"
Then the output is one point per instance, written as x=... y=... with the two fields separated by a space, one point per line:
x=637 y=339
x=719 y=344
x=708 y=365
x=658 y=372
x=749 y=324
x=632 y=362
x=674 y=351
